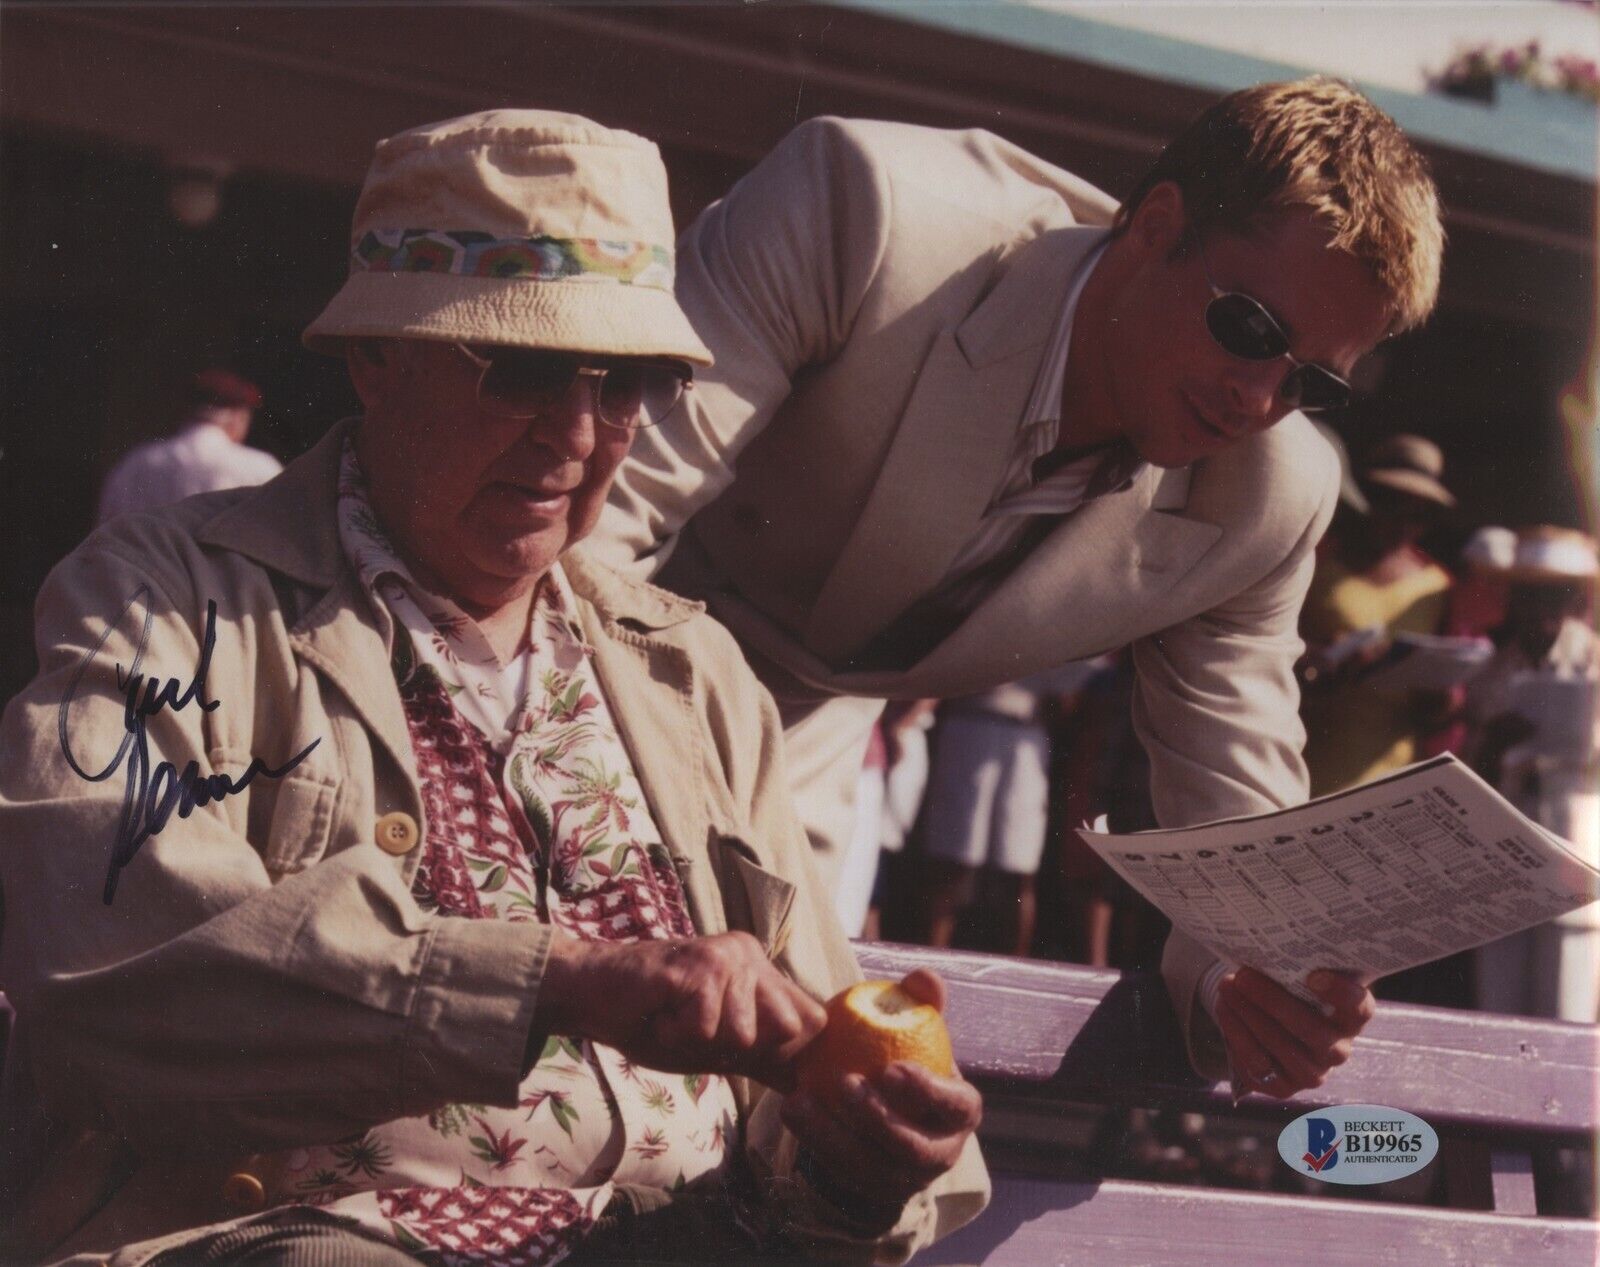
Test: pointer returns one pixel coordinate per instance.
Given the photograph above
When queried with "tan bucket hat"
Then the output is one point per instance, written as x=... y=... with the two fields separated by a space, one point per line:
x=1409 y=464
x=1547 y=555
x=524 y=228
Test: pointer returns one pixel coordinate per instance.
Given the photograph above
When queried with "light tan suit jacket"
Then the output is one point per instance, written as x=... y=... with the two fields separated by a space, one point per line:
x=879 y=298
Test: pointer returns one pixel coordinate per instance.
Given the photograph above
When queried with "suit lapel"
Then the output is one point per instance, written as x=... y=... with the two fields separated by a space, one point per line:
x=1104 y=576
x=947 y=457
x=950 y=448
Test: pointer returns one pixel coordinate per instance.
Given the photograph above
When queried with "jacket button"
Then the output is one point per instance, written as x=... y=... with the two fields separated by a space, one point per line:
x=243 y=1191
x=398 y=833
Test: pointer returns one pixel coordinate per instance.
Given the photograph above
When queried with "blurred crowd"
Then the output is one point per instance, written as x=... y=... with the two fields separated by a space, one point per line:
x=1483 y=646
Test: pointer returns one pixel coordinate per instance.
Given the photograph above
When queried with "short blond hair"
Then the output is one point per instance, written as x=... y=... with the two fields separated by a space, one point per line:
x=1314 y=143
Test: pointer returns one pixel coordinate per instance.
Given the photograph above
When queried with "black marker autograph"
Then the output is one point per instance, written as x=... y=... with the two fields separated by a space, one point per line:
x=149 y=799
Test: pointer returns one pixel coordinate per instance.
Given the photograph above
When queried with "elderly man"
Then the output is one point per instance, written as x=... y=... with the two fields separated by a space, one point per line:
x=971 y=420
x=375 y=869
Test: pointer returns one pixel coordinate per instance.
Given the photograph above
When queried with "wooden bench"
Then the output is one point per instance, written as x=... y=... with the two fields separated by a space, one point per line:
x=1042 y=1039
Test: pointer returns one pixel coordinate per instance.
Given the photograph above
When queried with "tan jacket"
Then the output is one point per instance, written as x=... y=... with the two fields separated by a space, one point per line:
x=879 y=298
x=263 y=978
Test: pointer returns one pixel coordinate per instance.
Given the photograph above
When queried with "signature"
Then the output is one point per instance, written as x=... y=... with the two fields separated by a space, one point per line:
x=150 y=797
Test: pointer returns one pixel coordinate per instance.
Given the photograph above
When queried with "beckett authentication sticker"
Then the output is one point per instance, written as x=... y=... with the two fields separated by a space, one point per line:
x=1358 y=1143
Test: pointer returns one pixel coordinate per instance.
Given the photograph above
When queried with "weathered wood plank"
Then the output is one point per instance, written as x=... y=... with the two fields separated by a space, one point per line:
x=1512 y=1175
x=1041 y=1223
x=1066 y=1032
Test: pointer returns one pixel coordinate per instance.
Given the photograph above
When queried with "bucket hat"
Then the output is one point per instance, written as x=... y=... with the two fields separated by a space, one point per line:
x=1553 y=556
x=1409 y=464
x=520 y=228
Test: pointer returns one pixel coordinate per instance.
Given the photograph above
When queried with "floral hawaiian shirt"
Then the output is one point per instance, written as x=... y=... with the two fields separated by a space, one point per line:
x=534 y=811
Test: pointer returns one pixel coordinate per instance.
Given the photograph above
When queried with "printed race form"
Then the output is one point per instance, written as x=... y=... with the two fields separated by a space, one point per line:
x=1398 y=872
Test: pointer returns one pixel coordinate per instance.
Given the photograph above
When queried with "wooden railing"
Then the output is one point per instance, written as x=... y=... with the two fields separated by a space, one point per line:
x=1039 y=1038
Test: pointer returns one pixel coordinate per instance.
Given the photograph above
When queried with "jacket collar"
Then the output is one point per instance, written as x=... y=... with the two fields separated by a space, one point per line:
x=1020 y=312
x=288 y=524
x=618 y=600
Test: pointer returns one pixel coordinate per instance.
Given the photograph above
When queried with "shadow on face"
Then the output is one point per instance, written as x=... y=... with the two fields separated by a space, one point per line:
x=482 y=503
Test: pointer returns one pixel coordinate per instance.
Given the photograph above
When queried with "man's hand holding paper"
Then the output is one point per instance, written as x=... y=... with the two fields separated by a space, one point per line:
x=1397 y=872
x=1279 y=1045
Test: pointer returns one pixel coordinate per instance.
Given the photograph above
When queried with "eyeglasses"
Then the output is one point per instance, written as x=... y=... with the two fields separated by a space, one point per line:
x=1242 y=327
x=526 y=382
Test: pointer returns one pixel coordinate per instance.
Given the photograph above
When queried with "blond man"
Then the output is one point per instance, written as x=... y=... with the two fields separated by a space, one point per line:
x=971 y=420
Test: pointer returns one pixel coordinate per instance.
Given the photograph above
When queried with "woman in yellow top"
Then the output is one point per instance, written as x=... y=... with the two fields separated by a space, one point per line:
x=1372 y=576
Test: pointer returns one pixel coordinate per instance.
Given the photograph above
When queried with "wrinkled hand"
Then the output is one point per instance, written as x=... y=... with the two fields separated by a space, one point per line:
x=889 y=1137
x=1278 y=1044
x=704 y=1005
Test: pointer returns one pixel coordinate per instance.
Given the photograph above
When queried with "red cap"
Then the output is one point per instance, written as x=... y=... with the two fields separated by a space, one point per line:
x=225 y=389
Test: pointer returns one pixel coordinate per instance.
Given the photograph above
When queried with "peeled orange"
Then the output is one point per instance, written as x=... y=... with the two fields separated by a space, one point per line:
x=870 y=1026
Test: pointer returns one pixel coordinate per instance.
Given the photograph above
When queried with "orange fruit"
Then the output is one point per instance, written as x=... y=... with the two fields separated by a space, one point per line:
x=870 y=1026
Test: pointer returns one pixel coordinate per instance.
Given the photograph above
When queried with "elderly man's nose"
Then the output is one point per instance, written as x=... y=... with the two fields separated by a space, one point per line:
x=569 y=426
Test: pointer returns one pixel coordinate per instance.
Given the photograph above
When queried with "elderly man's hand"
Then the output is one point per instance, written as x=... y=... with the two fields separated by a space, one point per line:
x=880 y=1140
x=1278 y=1044
x=705 y=1005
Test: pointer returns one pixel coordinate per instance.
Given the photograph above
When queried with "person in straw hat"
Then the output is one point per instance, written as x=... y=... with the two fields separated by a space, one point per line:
x=1373 y=578
x=1532 y=732
x=384 y=883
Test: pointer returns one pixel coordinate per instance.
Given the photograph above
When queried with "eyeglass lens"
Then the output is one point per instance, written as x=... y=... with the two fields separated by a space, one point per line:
x=521 y=382
x=1243 y=328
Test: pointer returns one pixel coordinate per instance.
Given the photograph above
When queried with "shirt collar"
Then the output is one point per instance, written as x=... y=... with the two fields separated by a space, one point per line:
x=1042 y=417
x=367 y=546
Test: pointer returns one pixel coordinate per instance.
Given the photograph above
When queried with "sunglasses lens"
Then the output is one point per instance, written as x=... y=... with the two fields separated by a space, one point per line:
x=518 y=383
x=1245 y=329
x=1311 y=389
x=521 y=383
x=639 y=395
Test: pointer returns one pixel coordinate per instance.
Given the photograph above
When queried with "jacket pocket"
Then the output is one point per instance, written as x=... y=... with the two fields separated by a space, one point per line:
x=298 y=819
x=756 y=900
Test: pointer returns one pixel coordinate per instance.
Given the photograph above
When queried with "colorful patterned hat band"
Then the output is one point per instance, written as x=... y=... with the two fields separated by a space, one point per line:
x=466 y=253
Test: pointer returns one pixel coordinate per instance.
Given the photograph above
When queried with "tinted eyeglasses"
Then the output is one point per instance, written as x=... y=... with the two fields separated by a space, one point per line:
x=525 y=382
x=1242 y=327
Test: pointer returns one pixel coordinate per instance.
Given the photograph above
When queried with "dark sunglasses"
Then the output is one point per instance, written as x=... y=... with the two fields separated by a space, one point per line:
x=1242 y=327
x=525 y=382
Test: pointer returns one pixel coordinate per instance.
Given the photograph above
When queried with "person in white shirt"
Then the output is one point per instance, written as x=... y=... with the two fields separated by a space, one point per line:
x=207 y=452
x=1534 y=733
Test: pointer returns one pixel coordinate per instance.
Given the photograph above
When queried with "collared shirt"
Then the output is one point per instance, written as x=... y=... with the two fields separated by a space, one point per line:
x=1030 y=499
x=1027 y=490
x=534 y=813
x=199 y=459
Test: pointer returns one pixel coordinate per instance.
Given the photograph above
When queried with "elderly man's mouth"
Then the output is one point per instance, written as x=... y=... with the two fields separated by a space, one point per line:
x=532 y=500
